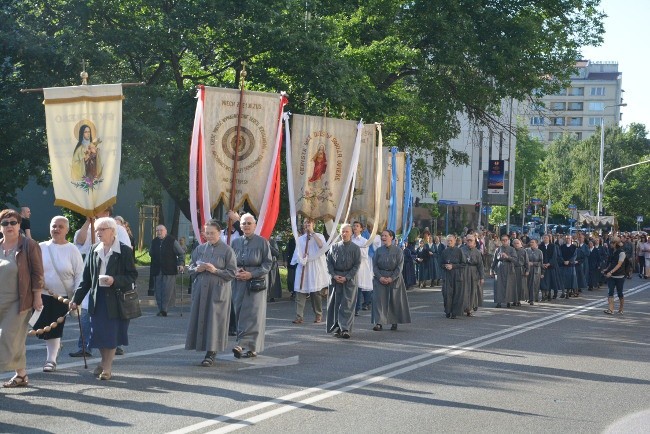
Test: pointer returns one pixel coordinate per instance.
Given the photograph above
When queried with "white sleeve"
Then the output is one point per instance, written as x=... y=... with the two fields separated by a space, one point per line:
x=123 y=236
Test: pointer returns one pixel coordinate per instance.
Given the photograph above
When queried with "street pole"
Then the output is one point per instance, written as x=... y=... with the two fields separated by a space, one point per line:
x=602 y=154
x=600 y=170
x=523 y=208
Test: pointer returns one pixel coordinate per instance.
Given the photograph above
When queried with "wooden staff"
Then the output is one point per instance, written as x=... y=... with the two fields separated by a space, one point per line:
x=233 y=182
x=302 y=272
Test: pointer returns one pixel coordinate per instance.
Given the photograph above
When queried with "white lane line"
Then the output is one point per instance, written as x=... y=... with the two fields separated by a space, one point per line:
x=288 y=404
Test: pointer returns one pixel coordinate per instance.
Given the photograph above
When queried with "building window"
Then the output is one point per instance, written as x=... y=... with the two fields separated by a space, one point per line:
x=575 y=122
x=537 y=120
x=577 y=136
x=595 y=122
x=536 y=135
x=558 y=106
x=575 y=106
x=576 y=91
x=554 y=135
x=562 y=92
x=597 y=106
x=557 y=121
x=597 y=91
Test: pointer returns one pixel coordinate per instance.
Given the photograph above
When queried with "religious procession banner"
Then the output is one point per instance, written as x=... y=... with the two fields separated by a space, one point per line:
x=322 y=159
x=323 y=164
x=394 y=181
x=216 y=153
x=363 y=199
x=84 y=136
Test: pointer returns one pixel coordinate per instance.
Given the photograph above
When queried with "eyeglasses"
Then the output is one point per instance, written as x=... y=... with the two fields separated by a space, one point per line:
x=100 y=229
x=7 y=223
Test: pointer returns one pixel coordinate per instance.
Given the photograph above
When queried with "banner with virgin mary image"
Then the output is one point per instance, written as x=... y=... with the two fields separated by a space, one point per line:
x=84 y=136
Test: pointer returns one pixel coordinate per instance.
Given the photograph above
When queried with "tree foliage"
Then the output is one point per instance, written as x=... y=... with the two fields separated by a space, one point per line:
x=411 y=65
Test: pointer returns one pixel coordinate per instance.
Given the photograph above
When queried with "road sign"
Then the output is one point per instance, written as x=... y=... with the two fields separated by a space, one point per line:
x=639 y=219
x=447 y=202
x=487 y=210
x=572 y=207
x=536 y=201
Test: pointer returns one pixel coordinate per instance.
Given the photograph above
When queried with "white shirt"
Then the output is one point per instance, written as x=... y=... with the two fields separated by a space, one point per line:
x=68 y=262
x=316 y=275
x=364 y=276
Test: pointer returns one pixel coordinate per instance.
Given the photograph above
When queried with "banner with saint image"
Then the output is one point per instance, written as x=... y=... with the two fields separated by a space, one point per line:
x=84 y=136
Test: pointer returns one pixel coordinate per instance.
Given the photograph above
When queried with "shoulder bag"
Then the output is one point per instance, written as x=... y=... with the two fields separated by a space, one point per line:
x=257 y=284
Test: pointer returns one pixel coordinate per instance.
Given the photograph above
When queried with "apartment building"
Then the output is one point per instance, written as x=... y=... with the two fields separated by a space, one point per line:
x=594 y=96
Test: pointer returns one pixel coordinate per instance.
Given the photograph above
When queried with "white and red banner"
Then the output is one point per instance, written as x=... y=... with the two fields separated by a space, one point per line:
x=84 y=136
x=221 y=115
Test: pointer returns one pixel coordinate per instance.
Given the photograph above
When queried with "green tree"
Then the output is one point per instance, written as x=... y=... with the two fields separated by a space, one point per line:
x=413 y=66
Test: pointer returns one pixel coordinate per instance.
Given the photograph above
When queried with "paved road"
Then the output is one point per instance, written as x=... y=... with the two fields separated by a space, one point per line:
x=558 y=367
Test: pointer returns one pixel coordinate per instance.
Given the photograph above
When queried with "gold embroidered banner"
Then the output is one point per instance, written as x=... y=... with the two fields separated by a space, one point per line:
x=363 y=200
x=322 y=156
x=84 y=136
x=259 y=124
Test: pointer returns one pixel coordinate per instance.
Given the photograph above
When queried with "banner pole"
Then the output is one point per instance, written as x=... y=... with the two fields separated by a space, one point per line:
x=237 y=140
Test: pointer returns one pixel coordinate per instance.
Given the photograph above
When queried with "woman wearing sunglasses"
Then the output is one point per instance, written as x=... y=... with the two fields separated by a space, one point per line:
x=21 y=282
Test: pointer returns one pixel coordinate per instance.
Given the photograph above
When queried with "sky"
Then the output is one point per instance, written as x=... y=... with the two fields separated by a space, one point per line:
x=627 y=30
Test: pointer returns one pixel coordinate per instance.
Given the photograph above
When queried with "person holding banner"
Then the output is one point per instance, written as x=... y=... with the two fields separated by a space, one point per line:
x=254 y=262
x=389 y=302
x=109 y=267
x=343 y=264
x=21 y=277
x=311 y=276
x=364 y=275
x=63 y=267
x=212 y=268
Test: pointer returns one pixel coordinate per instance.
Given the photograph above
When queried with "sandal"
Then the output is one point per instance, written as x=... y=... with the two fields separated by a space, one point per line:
x=620 y=312
x=98 y=371
x=209 y=359
x=345 y=334
x=318 y=319
x=377 y=328
x=298 y=321
x=105 y=376
x=49 y=366
x=238 y=352
x=14 y=383
x=608 y=312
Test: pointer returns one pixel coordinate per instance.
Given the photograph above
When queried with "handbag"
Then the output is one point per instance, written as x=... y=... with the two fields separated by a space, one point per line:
x=257 y=284
x=128 y=304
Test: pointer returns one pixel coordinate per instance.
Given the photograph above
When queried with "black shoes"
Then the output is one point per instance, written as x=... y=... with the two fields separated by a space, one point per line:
x=80 y=353
x=161 y=313
x=119 y=351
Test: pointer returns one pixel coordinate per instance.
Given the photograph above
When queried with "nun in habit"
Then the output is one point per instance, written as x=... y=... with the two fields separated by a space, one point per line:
x=454 y=296
x=212 y=267
x=389 y=302
x=550 y=279
x=503 y=269
x=343 y=264
x=535 y=259
x=253 y=262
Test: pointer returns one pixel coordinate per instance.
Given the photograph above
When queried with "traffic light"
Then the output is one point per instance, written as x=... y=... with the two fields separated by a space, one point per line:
x=417 y=201
x=477 y=206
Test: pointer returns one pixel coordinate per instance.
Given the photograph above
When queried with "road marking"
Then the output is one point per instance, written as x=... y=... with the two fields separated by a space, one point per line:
x=327 y=390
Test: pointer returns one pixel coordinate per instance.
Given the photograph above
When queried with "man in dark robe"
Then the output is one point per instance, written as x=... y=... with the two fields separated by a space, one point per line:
x=453 y=291
x=550 y=279
x=474 y=275
x=568 y=252
x=343 y=264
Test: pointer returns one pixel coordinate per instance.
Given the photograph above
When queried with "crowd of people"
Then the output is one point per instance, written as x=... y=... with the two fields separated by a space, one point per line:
x=234 y=273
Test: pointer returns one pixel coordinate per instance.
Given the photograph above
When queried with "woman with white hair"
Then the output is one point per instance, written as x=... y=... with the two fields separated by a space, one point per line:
x=63 y=268
x=112 y=260
x=248 y=291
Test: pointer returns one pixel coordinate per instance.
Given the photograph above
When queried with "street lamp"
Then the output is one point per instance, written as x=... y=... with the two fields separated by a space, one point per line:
x=602 y=152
